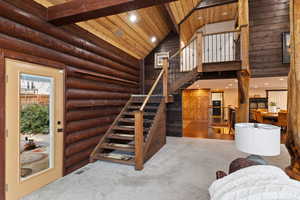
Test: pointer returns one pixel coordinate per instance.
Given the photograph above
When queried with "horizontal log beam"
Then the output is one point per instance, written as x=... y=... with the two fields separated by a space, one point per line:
x=78 y=115
x=78 y=157
x=76 y=166
x=82 y=10
x=85 y=134
x=73 y=104
x=71 y=72
x=94 y=85
x=91 y=94
x=82 y=145
x=90 y=123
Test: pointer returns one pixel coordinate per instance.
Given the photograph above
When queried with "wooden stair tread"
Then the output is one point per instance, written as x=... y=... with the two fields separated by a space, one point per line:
x=117 y=158
x=127 y=128
x=146 y=108
x=131 y=120
x=116 y=146
x=121 y=136
x=145 y=113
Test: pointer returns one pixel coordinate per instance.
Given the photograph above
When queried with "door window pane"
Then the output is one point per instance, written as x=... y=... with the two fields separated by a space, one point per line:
x=36 y=131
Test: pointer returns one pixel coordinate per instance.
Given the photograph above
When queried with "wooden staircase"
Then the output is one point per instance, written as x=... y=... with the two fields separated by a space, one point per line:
x=138 y=132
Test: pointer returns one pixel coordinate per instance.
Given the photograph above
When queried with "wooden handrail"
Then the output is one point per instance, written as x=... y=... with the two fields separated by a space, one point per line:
x=152 y=90
x=224 y=32
x=180 y=50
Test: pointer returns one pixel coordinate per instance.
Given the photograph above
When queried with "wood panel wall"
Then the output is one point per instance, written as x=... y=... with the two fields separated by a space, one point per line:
x=268 y=19
x=170 y=44
x=92 y=101
x=174 y=110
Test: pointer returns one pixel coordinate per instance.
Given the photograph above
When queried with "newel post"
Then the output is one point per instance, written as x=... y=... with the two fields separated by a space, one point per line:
x=199 y=52
x=139 y=139
x=166 y=79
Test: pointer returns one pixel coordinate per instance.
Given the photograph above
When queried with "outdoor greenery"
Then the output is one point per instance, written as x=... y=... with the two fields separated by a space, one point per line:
x=35 y=119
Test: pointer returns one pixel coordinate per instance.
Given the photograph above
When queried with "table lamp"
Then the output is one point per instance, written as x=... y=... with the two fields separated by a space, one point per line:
x=257 y=140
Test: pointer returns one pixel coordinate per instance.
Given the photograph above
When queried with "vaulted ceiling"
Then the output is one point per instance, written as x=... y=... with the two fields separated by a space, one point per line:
x=134 y=38
x=157 y=21
x=180 y=9
x=207 y=16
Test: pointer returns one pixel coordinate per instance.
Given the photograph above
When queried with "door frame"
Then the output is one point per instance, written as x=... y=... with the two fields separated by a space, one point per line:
x=31 y=59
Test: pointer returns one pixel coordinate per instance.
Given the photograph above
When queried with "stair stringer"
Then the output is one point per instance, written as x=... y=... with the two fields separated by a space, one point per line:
x=184 y=79
x=98 y=148
x=157 y=133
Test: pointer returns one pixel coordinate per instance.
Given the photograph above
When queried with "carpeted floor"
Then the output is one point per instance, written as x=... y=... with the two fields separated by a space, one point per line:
x=182 y=170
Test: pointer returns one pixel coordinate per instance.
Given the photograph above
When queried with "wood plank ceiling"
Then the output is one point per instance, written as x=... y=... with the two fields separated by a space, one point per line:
x=180 y=9
x=206 y=16
x=135 y=38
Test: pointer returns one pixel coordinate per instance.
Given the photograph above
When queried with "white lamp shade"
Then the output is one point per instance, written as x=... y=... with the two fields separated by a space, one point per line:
x=257 y=139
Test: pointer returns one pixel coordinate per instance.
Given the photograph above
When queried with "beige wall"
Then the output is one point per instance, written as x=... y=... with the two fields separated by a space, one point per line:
x=231 y=95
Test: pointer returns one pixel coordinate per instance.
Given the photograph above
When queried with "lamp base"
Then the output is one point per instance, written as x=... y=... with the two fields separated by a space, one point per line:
x=292 y=174
x=258 y=159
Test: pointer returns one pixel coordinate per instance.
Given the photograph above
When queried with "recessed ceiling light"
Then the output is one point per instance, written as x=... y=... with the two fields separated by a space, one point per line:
x=281 y=79
x=133 y=18
x=153 y=39
x=230 y=84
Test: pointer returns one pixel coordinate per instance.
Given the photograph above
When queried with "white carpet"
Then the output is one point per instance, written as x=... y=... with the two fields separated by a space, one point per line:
x=182 y=170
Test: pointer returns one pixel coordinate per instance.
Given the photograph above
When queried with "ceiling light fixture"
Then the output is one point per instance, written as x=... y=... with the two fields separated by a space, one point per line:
x=281 y=79
x=153 y=39
x=230 y=84
x=133 y=18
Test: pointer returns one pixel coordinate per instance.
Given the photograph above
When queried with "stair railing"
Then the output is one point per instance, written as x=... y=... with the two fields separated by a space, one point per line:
x=221 y=47
x=185 y=60
x=139 y=116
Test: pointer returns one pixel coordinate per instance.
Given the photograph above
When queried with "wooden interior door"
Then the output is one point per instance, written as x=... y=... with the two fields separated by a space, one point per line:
x=34 y=120
x=195 y=111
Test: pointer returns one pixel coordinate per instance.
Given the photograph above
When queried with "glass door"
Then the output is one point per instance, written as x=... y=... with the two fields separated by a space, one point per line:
x=34 y=116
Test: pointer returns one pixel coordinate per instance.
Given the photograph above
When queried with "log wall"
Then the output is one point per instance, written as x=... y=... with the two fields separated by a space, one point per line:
x=92 y=99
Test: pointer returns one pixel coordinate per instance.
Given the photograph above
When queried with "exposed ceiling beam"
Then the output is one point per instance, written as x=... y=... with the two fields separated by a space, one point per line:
x=82 y=10
x=170 y=14
x=207 y=4
x=211 y=3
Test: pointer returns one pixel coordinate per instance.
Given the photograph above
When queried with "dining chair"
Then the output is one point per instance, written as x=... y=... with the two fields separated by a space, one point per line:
x=282 y=120
x=260 y=118
x=254 y=115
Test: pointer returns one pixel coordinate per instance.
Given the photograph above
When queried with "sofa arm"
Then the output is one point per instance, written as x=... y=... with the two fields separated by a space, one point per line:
x=220 y=174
